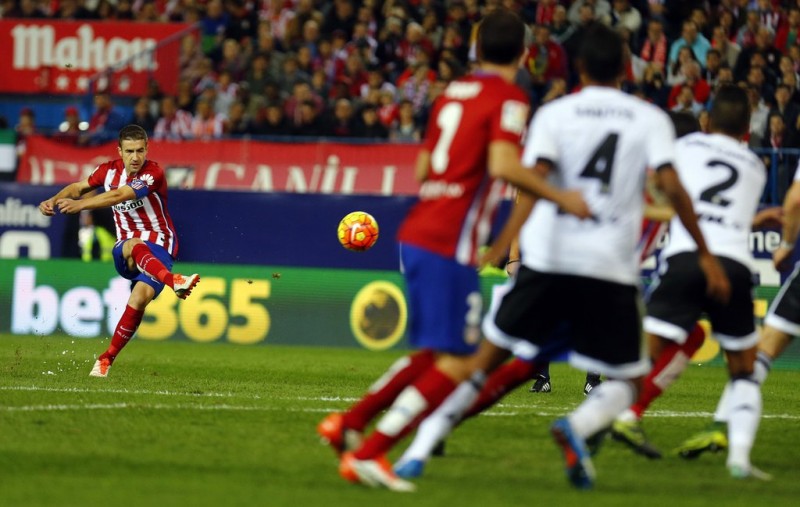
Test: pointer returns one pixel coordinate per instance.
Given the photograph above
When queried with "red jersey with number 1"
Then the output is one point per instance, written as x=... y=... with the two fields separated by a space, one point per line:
x=146 y=215
x=458 y=200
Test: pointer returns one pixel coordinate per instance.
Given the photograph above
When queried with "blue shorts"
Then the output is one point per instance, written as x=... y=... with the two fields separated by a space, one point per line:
x=137 y=276
x=444 y=302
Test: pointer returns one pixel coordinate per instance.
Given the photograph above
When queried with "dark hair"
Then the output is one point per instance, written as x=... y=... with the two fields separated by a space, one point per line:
x=501 y=37
x=685 y=123
x=601 y=54
x=132 y=133
x=730 y=111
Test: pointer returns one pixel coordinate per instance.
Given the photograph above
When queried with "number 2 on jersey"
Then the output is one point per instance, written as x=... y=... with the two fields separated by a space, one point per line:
x=712 y=194
x=448 y=120
x=602 y=162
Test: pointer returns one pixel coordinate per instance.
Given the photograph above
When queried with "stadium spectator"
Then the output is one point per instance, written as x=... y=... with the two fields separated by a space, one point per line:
x=686 y=103
x=600 y=11
x=340 y=121
x=142 y=117
x=546 y=61
x=654 y=47
x=72 y=10
x=301 y=92
x=237 y=123
x=762 y=47
x=231 y=59
x=226 y=92
x=185 y=98
x=69 y=130
x=290 y=74
x=206 y=123
x=759 y=117
x=676 y=70
x=148 y=12
x=369 y=125
x=787 y=34
x=213 y=25
x=692 y=38
x=711 y=69
x=700 y=88
x=560 y=27
x=273 y=122
x=26 y=9
x=311 y=122
x=174 y=124
x=726 y=47
x=624 y=15
x=405 y=128
x=105 y=121
x=341 y=17
x=242 y=24
x=746 y=35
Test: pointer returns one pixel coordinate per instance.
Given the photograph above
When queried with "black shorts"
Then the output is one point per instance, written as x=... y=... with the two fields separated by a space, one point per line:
x=677 y=299
x=599 y=321
x=784 y=312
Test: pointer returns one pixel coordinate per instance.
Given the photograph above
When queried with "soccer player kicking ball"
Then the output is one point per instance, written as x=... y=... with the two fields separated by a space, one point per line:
x=136 y=190
x=725 y=181
x=472 y=142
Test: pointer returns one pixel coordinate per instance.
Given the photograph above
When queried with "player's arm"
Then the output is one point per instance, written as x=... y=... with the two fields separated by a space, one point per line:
x=717 y=284
x=504 y=163
x=509 y=234
x=71 y=191
x=423 y=165
x=791 y=226
x=71 y=206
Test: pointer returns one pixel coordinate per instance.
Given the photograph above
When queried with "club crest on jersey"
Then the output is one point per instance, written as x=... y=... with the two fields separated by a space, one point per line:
x=143 y=181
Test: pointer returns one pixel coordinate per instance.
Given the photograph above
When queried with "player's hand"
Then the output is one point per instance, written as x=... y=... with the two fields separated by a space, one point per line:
x=68 y=206
x=718 y=287
x=512 y=266
x=571 y=201
x=769 y=217
x=46 y=208
x=492 y=255
x=782 y=258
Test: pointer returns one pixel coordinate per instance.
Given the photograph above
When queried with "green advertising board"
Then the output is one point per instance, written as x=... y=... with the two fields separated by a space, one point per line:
x=246 y=305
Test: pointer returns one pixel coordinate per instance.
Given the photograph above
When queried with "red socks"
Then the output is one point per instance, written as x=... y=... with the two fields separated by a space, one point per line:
x=667 y=368
x=410 y=408
x=504 y=379
x=383 y=392
x=150 y=265
x=126 y=327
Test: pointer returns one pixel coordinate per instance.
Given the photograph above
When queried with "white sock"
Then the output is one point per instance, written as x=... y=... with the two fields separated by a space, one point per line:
x=761 y=367
x=721 y=413
x=441 y=422
x=745 y=414
x=598 y=411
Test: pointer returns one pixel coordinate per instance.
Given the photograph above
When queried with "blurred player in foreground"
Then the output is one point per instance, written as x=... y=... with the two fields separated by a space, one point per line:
x=472 y=142
x=781 y=325
x=136 y=189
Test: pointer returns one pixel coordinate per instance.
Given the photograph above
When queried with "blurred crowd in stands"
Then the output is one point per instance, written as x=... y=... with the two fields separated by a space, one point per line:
x=372 y=69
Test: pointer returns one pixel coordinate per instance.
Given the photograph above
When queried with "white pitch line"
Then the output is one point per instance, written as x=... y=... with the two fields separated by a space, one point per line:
x=501 y=410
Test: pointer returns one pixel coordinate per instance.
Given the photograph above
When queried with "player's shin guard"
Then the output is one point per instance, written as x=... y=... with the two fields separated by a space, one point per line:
x=761 y=369
x=383 y=392
x=126 y=327
x=150 y=265
x=411 y=406
x=599 y=410
x=745 y=414
x=441 y=422
x=668 y=367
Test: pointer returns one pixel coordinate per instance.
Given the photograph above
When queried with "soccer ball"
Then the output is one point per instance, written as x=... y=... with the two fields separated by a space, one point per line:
x=358 y=231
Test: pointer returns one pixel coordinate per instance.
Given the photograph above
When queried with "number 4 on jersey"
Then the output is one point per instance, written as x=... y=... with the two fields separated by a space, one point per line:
x=602 y=162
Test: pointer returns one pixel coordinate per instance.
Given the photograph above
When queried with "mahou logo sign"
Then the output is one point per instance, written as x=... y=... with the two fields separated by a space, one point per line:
x=61 y=57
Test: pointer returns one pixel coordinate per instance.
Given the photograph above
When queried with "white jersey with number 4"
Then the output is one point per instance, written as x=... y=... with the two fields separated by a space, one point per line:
x=725 y=181
x=600 y=141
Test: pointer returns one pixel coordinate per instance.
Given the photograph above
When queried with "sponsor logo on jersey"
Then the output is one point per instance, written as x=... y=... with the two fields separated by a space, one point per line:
x=129 y=205
x=434 y=189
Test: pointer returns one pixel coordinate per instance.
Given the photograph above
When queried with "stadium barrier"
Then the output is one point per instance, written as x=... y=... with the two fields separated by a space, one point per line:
x=247 y=305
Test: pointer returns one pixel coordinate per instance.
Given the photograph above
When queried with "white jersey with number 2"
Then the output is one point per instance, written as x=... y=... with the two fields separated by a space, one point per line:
x=600 y=141
x=725 y=181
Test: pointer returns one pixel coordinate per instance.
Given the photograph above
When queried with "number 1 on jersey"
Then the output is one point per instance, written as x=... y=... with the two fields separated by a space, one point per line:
x=448 y=120
x=602 y=162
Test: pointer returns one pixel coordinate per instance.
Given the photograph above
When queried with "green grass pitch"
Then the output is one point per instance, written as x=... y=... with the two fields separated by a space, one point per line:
x=178 y=423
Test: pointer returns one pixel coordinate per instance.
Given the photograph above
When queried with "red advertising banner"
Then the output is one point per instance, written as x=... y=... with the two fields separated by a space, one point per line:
x=327 y=168
x=59 y=57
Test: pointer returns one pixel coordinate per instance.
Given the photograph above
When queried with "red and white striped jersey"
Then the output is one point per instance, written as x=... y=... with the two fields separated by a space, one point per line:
x=146 y=216
x=458 y=200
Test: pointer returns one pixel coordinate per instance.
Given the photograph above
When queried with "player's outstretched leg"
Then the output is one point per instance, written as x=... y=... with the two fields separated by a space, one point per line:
x=578 y=463
x=150 y=265
x=183 y=285
x=126 y=327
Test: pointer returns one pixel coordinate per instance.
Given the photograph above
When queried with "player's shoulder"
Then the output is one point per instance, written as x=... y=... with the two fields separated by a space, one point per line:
x=152 y=167
x=486 y=87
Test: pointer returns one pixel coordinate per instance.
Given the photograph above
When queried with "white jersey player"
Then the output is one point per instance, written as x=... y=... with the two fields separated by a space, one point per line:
x=726 y=182
x=584 y=274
